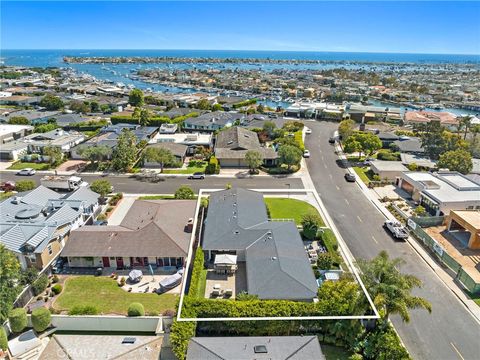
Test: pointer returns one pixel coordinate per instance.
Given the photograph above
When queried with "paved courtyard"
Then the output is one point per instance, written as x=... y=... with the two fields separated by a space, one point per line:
x=236 y=282
x=149 y=283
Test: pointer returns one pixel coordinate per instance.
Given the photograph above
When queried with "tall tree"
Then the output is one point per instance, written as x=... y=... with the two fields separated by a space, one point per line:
x=456 y=160
x=54 y=153
x=159 y=155
x=102 y=187
x=389 y=288
x=10 y=277
x=51 y=102
x=135 y=98
x=144 y=118
x=203 y=104
x=432 y=140
x=346 y=128
x=125 y=153
x=95 y=153
x=290 y=155
x=18 y=120
x=254 y=159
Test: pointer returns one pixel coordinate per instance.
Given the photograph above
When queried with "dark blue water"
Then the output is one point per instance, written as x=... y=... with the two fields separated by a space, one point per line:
x=54 y=57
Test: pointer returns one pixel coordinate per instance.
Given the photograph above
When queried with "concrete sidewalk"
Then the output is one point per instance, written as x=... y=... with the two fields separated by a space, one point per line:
x=441 y=273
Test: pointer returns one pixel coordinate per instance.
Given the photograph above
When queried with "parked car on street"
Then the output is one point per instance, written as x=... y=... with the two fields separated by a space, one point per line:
x=26 y=172
x=397 y=230
x=350 y=177
x=197 y=176
x=306 y=153
x=308 y=130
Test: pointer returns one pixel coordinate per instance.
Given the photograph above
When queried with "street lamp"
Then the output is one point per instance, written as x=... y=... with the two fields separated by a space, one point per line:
x=288 y=193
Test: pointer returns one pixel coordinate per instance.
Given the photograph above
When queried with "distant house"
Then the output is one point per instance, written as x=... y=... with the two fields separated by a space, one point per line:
x=275 y=260
x=168 y=128
x=212 y=121
x=64 y=140
x=178 y=150
x=20 y=100
x=389 y=170
x=409 y=145
x=441 y=192
x=387 y=138
x=193 y=141
x=255 y=347
x=34 y=116
x=10 y=133
x=424 y=117
x=108 y=136
x=153 y=232
x=35 y=225
x=232 y=145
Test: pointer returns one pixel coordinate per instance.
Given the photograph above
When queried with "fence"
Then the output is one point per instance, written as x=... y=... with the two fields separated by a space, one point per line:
x=461 y=275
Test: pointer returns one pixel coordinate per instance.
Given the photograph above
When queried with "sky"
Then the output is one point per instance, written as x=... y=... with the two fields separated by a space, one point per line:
x=388 y=26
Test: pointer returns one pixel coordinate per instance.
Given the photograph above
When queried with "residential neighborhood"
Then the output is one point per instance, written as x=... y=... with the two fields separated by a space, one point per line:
x=176 y=200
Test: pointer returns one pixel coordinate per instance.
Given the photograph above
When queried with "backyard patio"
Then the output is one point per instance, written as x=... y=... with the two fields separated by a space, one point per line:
x=236 y=282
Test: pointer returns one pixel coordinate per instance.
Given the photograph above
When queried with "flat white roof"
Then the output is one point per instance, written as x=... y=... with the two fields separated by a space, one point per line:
x=450 y=187
x=381 y=165
x=6 y=129
x=183 y=138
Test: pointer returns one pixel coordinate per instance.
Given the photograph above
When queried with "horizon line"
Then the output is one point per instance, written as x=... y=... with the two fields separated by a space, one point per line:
x=233 y=50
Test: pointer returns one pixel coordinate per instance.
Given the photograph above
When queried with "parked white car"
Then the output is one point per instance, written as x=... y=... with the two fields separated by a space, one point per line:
x=308 y=130
x=26 y=172
x=306 y=153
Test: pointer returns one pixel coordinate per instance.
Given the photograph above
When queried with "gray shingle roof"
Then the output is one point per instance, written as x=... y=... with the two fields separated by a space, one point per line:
x=276 y=262
x=243 y=348
x=217 y=117
x=233 y=143
x=411 y=145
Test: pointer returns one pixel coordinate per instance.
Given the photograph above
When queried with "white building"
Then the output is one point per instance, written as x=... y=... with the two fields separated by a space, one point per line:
x=441 y=192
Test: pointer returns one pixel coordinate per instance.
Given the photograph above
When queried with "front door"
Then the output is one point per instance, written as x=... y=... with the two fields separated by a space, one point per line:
x=106 y=262
x=119 y=262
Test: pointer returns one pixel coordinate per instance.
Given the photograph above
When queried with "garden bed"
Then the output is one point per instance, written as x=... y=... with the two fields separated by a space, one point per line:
x=19 y=165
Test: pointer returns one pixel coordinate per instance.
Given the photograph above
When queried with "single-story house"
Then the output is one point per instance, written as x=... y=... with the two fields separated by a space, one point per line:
x=34 y=116
x=67 y=119
x=168 y=128
x=10 y=133
x=108 y=136
x=255 y=347
x=21 y=100
x=441 y=192
x=387 y=138
x=390 y=170
x=277 y=266
x=420 y=161
x=232 y=144
x=153 y=232
x=64 y=140
x=409 y=145
x=466 y=226
x=35 y=225
x=212 y=121
x=13 y=150
x=178 y=150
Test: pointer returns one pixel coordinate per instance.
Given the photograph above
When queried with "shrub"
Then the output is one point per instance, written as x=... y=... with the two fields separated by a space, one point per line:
x=3 y=339
x=17 y=319
x=53 y=310
x=198 y=265
x=57 y=289
x=180 y=334
x=136 y=309
x=41 y=318
x=83 y=310
x=388 y=155
x=204 y=202
x=329 y=240
x=310 y=224
x=325 y=261
x=184 y=192
x=102 y=217
x=213 y=166
x=55 y=279
x=153 y=313
x=122 y=281
x=40 y=285
x=25 y=185
x=169 y=312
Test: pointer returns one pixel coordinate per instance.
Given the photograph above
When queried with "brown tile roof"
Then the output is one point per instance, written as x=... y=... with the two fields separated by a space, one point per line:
x=150 y=228
x=427 y=116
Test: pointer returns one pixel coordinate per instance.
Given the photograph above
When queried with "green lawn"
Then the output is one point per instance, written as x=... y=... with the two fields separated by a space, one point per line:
x=104 y=293
x=335 y=353
x=283 y=208
x=193 y=167
x=202 y=284
x=364 y=172
x=23 y=165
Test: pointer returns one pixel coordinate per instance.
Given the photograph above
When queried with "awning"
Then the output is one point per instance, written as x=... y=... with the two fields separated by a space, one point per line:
x=225 y=259
x=135 y=274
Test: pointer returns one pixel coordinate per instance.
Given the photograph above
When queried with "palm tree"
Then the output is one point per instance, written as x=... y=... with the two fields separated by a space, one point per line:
x=389 y=288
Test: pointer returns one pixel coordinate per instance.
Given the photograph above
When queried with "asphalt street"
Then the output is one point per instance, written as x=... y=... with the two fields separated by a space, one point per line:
x=450 y=331
x=131 y=185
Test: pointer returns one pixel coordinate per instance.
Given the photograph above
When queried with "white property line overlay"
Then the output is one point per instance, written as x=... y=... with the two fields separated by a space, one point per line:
x=343 y=247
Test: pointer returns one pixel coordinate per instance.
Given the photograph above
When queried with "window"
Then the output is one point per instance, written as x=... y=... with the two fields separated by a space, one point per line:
x=49 y=248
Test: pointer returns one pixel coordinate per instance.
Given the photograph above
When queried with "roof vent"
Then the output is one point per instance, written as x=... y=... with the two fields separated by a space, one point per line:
x=260 y=349
x=274 y=258
x=236 y=232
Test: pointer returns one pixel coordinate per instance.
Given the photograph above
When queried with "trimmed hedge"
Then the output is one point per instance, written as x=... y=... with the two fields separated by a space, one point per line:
x=18 y=319
x=198 y=265
x=41 y=318
x=83 y=310
x=244 y=103
x=57 y=289
x=136 y=309
x=329 y=240
x=3 y=339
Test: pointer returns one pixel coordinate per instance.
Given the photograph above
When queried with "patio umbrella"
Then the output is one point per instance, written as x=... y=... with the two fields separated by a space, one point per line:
x=135 y=275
